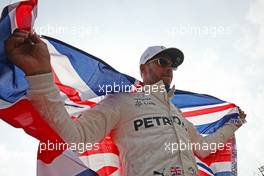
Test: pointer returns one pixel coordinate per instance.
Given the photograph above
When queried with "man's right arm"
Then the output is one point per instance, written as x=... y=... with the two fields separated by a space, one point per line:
x=91 y=127
x=27 y=51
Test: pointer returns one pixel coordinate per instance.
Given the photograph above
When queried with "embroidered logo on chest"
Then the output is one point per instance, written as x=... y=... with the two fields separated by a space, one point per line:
x=143 y=100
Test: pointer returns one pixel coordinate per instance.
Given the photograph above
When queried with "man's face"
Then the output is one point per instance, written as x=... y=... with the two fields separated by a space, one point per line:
x=155 y=70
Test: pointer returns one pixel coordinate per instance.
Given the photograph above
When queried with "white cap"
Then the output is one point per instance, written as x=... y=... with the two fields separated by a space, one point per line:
x=175 y=54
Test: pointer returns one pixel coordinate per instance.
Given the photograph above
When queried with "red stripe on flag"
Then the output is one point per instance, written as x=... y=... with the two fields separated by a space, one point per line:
x=71 y=93
x=24 y=14
x=106 y=170
x=208 y=110
x=202 y=173
x=223 y=155
x=23 y=115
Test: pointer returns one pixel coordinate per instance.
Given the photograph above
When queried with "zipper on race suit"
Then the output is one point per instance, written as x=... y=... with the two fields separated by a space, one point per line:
x=167 y=100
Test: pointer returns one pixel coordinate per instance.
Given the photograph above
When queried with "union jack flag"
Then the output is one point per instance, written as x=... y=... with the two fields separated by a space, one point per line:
x=176 y=171
x=79 y=89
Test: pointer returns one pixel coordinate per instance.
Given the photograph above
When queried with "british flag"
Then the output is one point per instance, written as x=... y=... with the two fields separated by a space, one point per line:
x=79 y=89
x=176 y=171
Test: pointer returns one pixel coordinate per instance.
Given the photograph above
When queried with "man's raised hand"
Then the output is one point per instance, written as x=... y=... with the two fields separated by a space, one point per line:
x=27 y=51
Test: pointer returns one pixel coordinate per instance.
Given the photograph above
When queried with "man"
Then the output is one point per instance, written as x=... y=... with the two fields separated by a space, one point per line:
x=141 y=123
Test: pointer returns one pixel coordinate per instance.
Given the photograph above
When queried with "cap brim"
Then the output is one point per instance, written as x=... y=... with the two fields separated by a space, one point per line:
x=176 y=55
